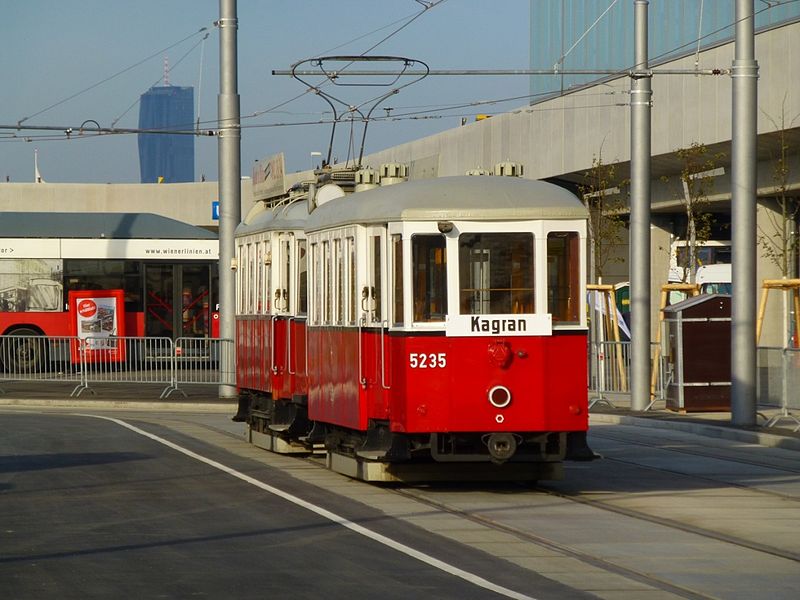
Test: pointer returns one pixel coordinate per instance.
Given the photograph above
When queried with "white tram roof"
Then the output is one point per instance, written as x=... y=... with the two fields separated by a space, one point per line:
x=471 y=198
x=284 y=217
x=98 y=225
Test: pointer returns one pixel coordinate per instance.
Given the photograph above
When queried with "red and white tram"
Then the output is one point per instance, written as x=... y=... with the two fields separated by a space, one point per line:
x=272 y=304
x=445 y=328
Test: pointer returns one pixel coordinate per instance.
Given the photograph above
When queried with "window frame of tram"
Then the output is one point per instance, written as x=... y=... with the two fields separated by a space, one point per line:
x=496 y=273
x=429 y=277
x=563 y=277
x=301 y=284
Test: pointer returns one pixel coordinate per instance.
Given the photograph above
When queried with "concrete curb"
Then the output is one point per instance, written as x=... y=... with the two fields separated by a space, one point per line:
x=149 y=405
x=761 y=438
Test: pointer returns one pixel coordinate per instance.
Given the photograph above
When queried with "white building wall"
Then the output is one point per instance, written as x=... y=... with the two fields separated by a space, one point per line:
x=187 y=202
x=562 y=135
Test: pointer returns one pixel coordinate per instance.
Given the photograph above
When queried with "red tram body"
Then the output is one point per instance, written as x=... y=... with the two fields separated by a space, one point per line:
x=417 y=323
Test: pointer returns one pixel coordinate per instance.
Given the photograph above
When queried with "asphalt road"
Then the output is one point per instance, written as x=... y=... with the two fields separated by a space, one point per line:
x=94 y=508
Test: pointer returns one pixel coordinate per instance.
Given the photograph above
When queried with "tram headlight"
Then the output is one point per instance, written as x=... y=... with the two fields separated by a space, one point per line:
x=499 y=396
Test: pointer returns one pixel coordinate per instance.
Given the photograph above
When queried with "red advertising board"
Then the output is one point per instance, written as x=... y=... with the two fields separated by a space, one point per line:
x=97 y=317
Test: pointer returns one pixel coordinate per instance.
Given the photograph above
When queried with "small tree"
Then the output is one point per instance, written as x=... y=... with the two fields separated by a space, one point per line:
x=697 y=182
x=781 y=244
x=602 y=196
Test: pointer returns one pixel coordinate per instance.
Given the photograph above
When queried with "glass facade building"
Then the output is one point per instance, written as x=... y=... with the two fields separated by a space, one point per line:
x=598 y=34
x=165 y=157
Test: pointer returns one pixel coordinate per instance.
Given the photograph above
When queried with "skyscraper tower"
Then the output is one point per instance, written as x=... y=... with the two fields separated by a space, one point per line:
x=165 y=157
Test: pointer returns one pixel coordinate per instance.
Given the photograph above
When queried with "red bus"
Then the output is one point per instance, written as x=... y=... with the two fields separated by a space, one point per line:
x=166 y=268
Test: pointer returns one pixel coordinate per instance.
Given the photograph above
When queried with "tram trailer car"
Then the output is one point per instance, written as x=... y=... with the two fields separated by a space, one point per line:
x=272 y=304
x=445 y=333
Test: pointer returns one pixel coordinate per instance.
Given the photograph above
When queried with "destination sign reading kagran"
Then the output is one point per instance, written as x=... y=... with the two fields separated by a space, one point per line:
x=498 y=325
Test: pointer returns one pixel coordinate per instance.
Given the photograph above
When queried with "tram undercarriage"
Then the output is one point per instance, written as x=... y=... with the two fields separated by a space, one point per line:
x=381 y=455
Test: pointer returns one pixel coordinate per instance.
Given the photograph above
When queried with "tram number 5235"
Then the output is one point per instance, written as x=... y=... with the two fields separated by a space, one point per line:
x=418 y=360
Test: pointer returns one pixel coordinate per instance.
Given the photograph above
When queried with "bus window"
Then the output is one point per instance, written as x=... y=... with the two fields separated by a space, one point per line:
x=563 y=276
x=106 y=274
x=429 y=276
x=30 y=284
x=495 y=273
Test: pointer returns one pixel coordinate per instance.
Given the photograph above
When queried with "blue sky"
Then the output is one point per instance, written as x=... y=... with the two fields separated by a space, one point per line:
x=54 y=49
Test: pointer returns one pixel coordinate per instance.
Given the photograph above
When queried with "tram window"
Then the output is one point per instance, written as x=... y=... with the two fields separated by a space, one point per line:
x=259 y=277
x=327 y=294
x=563 y=273
x=302 y=278
x=429 y=275
x=286 y=277
x=248 y=281
x=350 y=244
x=266 y=291
x=239 y=276
x=376 y=278
x=339 y=264
x=266 y=286
x=316 y=303
x=252 y=291
x=397 y=279
x=496 y=273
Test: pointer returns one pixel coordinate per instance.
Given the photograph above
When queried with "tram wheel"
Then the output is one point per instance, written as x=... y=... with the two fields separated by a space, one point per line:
x=26 y=354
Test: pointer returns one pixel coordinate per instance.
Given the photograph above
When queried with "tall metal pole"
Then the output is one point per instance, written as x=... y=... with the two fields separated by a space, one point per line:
x=744 y=73
x=229 y=146
x=640 y=215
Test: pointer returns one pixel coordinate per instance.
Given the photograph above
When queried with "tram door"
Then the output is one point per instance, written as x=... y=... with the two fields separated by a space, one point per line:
x=177 y=300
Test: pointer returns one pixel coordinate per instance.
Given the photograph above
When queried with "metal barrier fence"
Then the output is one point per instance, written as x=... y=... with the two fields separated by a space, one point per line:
x=778 y=384
x=109 y=360
x=610 y=372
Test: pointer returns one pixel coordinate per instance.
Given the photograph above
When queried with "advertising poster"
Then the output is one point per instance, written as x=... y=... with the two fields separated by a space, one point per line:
x=97 y=317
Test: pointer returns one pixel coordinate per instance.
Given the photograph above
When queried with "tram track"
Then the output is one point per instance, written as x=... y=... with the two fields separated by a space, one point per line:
x=673 y=524
x=462 y=506
x=418 y=495
x=549 y=544
x=717 y=456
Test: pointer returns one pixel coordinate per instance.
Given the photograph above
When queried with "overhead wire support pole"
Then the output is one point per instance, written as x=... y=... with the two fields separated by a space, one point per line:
x=744 y=73
x=230 y=186
x=641 y=96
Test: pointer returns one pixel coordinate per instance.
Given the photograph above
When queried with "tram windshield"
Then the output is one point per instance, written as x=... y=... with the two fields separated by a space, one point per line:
x=496 y=273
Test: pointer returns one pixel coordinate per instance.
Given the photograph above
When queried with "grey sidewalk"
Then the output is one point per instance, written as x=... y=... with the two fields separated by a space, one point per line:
x=710 y=424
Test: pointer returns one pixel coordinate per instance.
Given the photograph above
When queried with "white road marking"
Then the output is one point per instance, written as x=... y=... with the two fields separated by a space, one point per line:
x=381 y=539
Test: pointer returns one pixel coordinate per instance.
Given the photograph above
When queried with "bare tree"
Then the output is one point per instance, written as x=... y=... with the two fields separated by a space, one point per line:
x=603 y=195
x=780 y=245
x=697 y=182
